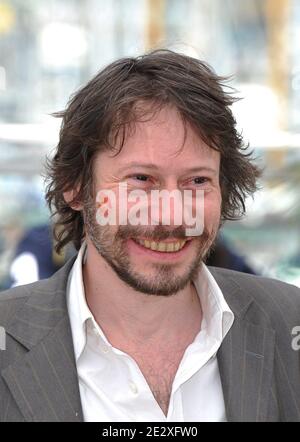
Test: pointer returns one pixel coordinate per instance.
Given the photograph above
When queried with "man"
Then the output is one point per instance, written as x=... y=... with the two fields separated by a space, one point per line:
x=35 y=256
x=136 y=327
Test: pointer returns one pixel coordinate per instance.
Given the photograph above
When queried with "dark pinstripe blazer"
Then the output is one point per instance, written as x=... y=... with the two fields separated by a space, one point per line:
x=260 y=372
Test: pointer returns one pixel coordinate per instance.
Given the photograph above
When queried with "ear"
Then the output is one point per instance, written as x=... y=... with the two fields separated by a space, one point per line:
x=69 y=196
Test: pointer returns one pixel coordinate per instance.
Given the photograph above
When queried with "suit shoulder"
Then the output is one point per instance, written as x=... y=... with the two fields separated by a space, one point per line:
x=13 y=299
x=273 y=296
x=21 y=291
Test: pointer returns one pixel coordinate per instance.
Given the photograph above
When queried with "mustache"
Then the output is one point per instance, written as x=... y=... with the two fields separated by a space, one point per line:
x=159 y=233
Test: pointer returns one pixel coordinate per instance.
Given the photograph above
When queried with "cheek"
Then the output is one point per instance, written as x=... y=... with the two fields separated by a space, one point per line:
x=212 y=209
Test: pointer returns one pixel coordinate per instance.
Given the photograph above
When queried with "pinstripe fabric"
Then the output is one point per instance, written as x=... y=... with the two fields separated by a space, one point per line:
x=43 y=380
x=260 y=372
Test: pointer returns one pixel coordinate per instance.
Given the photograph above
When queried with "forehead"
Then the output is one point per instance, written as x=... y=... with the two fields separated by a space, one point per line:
x=164 y=141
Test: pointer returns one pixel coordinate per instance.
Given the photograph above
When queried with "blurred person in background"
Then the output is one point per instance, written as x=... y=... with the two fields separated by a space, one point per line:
x=136 y=327
x=35 y=256
x=222 y=254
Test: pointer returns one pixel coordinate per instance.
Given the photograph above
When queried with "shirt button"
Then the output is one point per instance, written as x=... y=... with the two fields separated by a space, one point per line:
x=133 y=387
x=104 y=348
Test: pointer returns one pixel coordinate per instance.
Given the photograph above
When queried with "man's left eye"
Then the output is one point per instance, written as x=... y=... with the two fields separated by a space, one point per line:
x=200 y=180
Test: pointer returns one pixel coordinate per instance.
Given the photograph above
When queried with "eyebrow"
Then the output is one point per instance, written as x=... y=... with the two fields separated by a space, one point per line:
x=154 y=167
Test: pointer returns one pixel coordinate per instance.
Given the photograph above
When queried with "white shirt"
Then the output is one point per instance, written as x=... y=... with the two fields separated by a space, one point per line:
x=113 y=388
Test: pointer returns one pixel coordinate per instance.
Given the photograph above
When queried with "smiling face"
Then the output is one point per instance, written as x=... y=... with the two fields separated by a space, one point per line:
x=156 y=259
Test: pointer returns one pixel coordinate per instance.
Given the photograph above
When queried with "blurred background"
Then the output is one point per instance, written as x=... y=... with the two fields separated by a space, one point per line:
x=48 y=48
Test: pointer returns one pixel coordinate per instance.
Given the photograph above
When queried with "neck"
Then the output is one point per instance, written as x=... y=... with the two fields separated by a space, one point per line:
x=128 y=316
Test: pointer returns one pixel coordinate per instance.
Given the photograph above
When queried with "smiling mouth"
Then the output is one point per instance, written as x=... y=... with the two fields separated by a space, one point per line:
x=162 y=246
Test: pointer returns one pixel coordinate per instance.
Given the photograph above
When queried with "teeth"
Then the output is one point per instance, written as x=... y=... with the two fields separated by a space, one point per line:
x=176 y=246
x=162 y=246
x=171 y=246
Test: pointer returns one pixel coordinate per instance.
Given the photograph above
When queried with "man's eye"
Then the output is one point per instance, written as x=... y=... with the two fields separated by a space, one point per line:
x=200 y=180
x=141 y=177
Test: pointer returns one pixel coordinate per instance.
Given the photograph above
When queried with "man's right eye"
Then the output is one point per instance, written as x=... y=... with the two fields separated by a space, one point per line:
x=140 y=177
x=140 y=180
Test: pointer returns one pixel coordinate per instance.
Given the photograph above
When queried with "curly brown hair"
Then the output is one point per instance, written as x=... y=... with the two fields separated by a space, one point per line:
x=102 y=111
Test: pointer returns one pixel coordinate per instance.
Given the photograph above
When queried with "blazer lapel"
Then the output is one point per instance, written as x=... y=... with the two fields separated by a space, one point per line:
x=44 y=381
x=246 y=362
x=245 y=357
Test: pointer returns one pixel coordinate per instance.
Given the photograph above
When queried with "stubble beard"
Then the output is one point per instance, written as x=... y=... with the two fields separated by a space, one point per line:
x=163 y=279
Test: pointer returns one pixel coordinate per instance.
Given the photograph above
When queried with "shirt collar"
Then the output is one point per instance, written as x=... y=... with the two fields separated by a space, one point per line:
x=79 y=312
x=217 y=316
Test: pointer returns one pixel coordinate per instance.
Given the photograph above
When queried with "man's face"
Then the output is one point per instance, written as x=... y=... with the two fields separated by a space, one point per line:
x=153 y=158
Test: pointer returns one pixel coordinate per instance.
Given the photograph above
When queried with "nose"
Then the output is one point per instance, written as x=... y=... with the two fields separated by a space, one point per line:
x=167 y=206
